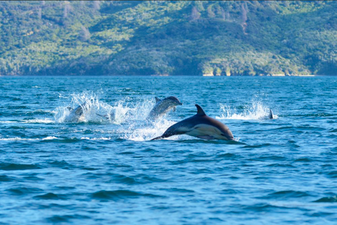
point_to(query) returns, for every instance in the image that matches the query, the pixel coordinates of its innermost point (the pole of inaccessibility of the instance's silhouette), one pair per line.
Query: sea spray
(93, 109)
(254, 111)
(136, 127)
(128, 116)
(145, 130)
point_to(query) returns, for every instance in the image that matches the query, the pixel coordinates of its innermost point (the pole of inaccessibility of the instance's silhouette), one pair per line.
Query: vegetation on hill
(168, 38)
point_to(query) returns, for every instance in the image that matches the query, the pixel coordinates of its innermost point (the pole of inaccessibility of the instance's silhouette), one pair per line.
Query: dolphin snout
(177, 103)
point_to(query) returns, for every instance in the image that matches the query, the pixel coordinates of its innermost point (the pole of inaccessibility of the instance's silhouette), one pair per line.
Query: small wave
(8, 121)
(331, 199)
(50, 196)
(5, 178)
(40, 112)
(24, 190)
(180, 190)
(13, 166)
(17, 139)
(132, 180)
(96, 139)
(261, 207)
(256, 111)
(286, 165)
(229, 156)
(119, 194)
(65, 140)
(28, 139)
(49, 138)
(333, 174)
(61, 164)
(257, 145)
(286, 195)
(303, 159)
(65, 218)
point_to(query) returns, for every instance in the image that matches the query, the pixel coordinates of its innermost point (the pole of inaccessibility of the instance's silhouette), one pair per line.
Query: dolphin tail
(157, 138)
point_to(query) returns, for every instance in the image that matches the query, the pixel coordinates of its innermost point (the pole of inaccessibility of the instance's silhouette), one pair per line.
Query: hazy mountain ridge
(168, 38)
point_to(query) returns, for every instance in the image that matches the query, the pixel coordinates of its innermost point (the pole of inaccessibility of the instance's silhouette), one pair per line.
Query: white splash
(4, 121)
(129, 116)
(137, 128)
(255, 111)
(145, 131)
(96, 139)
(28, 139)
(17, 139)
(50, 138)
(94, 110)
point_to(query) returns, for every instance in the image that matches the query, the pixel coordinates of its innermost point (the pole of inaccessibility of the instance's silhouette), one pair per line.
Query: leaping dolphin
(201, 126)
(76, 114)
(162, 107)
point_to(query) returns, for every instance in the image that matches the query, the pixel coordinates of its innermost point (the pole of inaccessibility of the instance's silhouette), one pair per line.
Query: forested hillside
(168, 38)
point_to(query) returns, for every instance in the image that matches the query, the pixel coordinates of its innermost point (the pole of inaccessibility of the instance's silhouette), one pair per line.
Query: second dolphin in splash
(162, 107)
(75, 114)
(200, 126)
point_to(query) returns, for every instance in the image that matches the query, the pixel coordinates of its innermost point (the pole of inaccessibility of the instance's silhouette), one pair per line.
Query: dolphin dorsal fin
(271, 115)
(200, 111)
(157, 99)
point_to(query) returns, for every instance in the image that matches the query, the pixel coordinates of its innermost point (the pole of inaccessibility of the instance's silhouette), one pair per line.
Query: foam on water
(28, 139)
(94, 110)
(49, 138)
(145, 131)
(132, 111)
(46, 120)
(96, 139)
(135, 126)
(130, 116)
(254, 111)
(3, 121)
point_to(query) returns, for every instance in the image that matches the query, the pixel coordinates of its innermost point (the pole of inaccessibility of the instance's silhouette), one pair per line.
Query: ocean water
(103, 169)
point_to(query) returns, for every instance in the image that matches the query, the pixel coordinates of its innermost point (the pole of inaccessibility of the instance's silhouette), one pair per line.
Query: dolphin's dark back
(187, 125)
(271, 115)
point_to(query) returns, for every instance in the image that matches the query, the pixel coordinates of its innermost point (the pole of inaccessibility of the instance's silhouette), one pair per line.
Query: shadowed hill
(168, 38)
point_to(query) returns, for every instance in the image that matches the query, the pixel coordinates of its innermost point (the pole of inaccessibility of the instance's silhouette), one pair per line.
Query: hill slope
(168, 38)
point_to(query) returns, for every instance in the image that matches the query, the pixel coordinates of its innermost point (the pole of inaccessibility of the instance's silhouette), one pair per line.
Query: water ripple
(331, 199)
(289, 194)
(120, 194)
(50, 196)
(13, 166)
(97, 171)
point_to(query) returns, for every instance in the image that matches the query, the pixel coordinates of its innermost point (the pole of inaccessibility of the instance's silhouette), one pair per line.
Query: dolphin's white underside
(203, 131)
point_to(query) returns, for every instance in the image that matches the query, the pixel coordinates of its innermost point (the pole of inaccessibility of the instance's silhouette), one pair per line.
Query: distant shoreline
(159, 76)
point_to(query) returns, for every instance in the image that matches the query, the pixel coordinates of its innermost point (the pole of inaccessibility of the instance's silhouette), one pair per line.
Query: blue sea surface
(103, 169)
